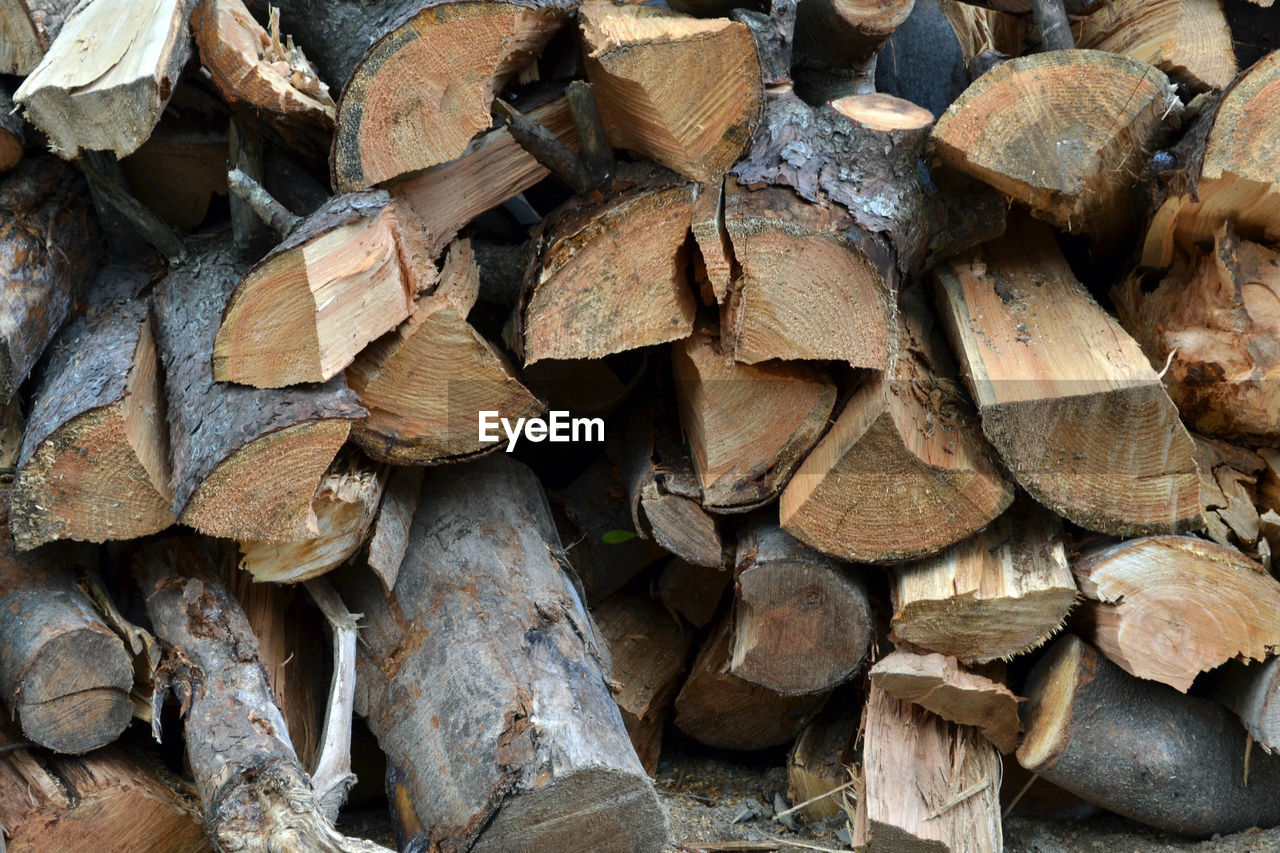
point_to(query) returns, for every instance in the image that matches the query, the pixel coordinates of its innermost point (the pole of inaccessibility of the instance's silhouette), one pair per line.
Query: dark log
(693, 591)
(837, 42)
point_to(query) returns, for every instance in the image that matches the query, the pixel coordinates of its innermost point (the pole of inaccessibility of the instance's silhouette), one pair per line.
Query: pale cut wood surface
(389, 539)
(1187, 39)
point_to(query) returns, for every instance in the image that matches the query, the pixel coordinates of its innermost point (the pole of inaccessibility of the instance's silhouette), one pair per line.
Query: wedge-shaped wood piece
(998, 593)
(1227, 170)
(820, 765)
(106, 79)
(714, 252)
(305, 311)
(640, 60)
(1074, 408)
(904, 471)
(424, 383)
(693, 591)
(937, 683)
(1213, 325)
(246, 462)
(927, 785)
(95, 457)
(483, 612)
(1143, 750)
(1168, 608)
(1187, 39)
(389, 539)
(27, 28)
(802, 621)
(593, 293)
(1229, 497)
(1063, 132)
(50, 246)
(807, 289)
(748, 425)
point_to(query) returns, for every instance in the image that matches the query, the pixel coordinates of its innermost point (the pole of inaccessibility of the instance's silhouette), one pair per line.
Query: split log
(182, 166)
(589, 295)
(51, 244)
(106, 79)
(390, 537)
(27, 28)
(1187, 39)
(714, 258)
(640, 60)
(253, 790)
(95, 457)
(904, 472)
(246, 462)
(1077, 413)
(1252, 691)
(1222, 172)
(549, 765)
(305, 311)
(12, 135)
(1212, 326)
(1168, 608)
(938, 684)
(113, 801)
(693, 591)
(344, 506)
(1228, 497)
(1142, 749)
(648, 648)
(802, 621)
(997, 594)
(1065, 133)
(927, 785)
(837, 42)
(719, 709)
(748, 426)
(821, 764)
(64, 675)
(424, 383)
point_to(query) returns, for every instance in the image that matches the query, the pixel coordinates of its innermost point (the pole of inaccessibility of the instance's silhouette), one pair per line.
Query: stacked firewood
(923, 355)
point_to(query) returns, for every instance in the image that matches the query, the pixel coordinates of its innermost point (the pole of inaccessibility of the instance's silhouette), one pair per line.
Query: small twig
(593, 143)
(1051, 20)
(811, 800)
(150, 227)
(544, 145)
(971, 791)
(280, 218)
(1018, 796)
(332, 778)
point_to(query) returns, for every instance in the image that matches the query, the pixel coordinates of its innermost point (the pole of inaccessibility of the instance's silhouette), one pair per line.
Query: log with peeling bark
(1074, 408)
(106, 79)
(305, 311)
(927, 785)
(820, 765)
(95, 456)
(27, 28)
(254, 792)
(719, 709)
(424, 383)
(1143, 750)
(50, 245)
(648, 650)
(549, 764)
(837, 42)
(640, 60)
(938, 684)
(904, 471)
(1187, 39)
(1167, 608)
(802, 621)
(748, 426)
(246, 462)
(590, 294)
(693, 591)
(64, 675)
(1001, 592)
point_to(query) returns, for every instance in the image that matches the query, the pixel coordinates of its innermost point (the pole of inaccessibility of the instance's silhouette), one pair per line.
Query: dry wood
(549, 765)
(12, 134)
(1187, 39)
(177, 172)
(837, 42)
(937, 683)
(1170, 607)
(1066, 396)
(719, 709)
(424, 383)
(1142, 749)
(106, 79)
(904, 471)
(390, 537)
(254, 793)
(748, 426)
(693, 591)
(640, 61)
(648, 648)
(1252, 691)
(27, 28)
(822, 762)
(714, 260)
(928, 786)
(50, 245)
(305, 311)
(246, 462)
(802, 621)
(1228, 497)
(1065, 133)
(1003, 591)
(592, 294)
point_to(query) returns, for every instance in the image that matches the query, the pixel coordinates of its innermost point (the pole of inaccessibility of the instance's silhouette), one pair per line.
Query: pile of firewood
(895, 380)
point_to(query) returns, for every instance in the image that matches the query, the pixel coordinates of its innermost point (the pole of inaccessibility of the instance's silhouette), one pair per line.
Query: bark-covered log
(27, 28)
(485, 642)
(837, 42)
(246, 462)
